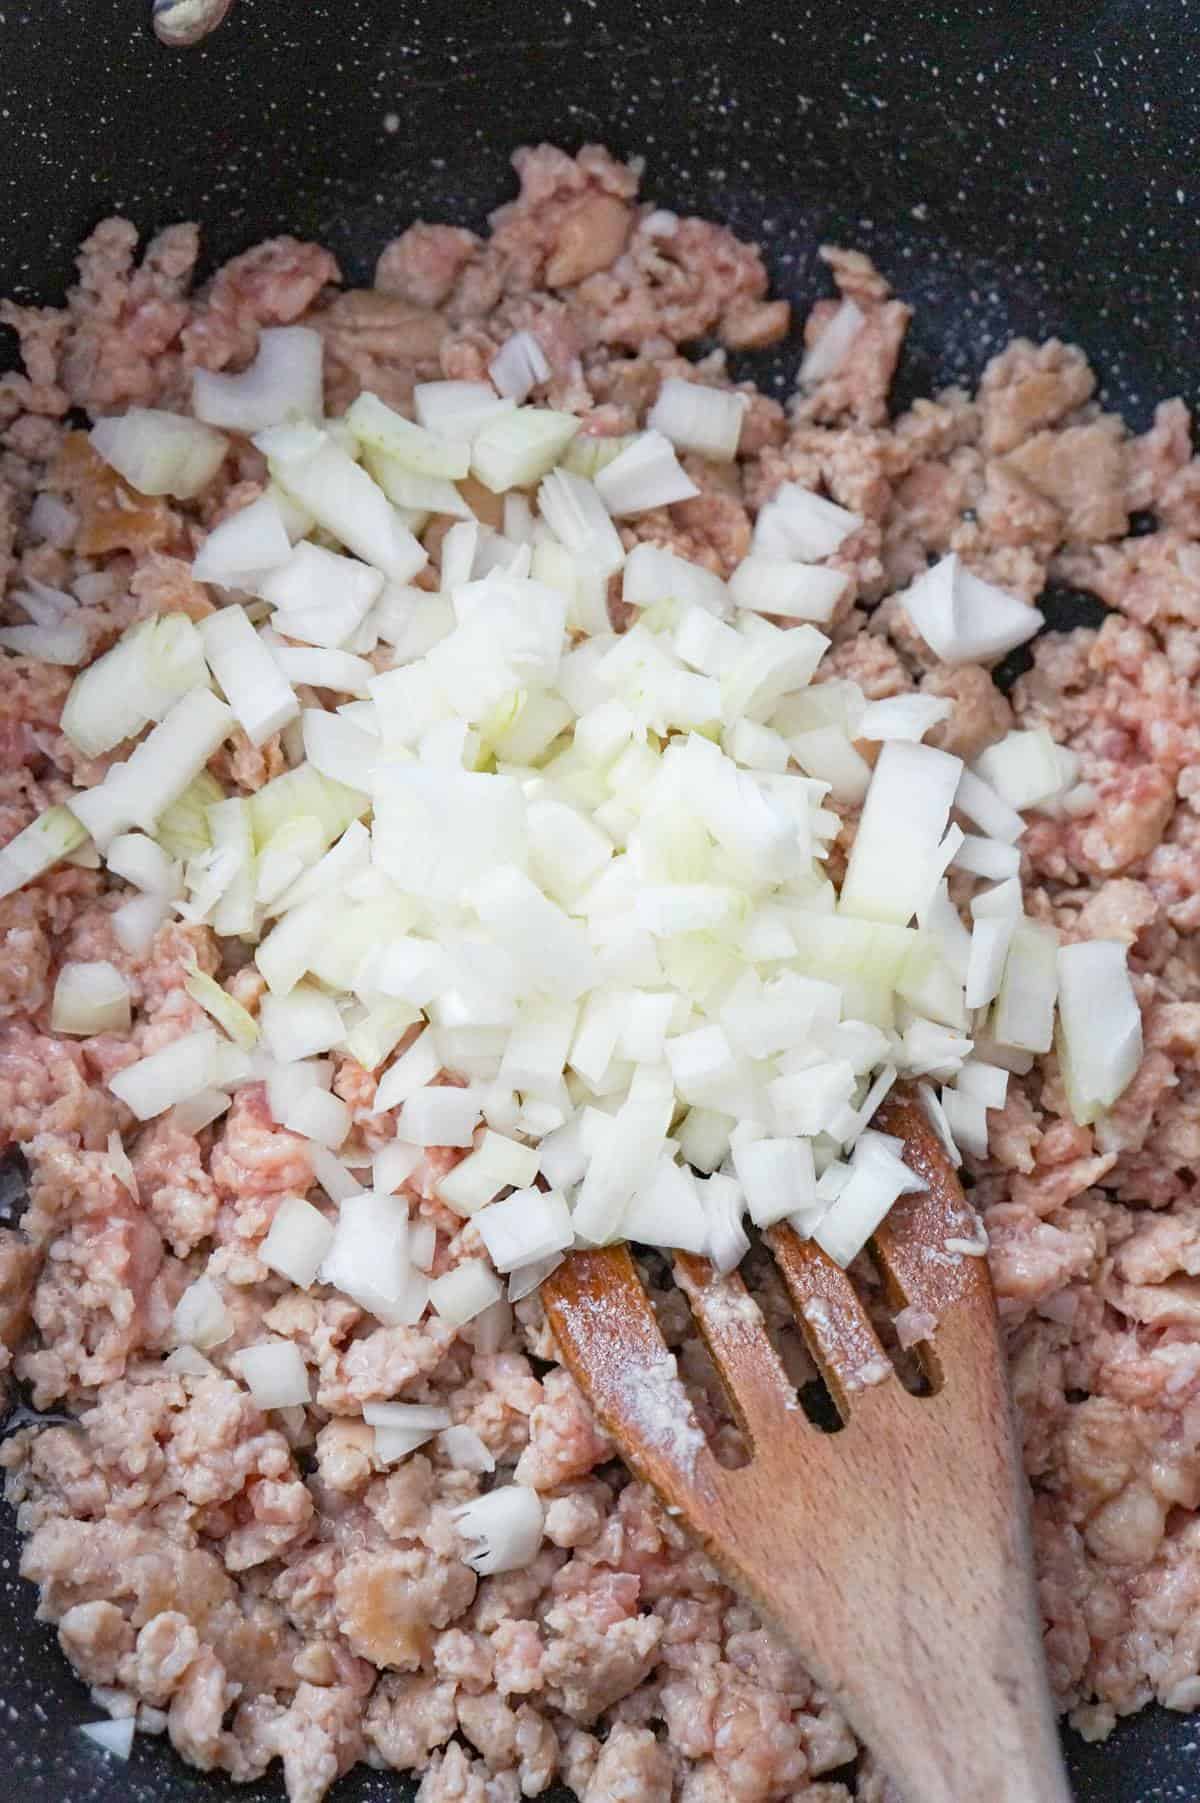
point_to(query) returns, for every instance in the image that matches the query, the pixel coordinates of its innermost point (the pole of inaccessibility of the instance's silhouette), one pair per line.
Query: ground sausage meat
(259, 1588)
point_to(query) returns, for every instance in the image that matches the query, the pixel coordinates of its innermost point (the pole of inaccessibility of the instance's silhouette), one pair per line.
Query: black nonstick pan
(1024, 168)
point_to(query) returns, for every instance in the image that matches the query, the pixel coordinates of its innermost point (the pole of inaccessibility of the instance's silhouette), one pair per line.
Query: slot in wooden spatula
(894, 1555)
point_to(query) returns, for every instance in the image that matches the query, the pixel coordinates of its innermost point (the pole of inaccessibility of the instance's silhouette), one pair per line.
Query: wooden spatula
(895, 1554)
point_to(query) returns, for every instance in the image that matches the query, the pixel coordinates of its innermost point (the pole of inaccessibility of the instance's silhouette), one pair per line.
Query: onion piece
(990, 859)
(801, 527)
(1024, 768)
(877, 1178)
(151, 666)
(323, 668)
(832, 346)
(1100, 1026)
(136, 922)
(986, 1082)
(464, 1450)
(316, 1115)
(497, 1163)
(905, 717)
(652, 573)
(160, 453)
(903, 819)
(283, 383)
(777, 1176)
(1024, 1013)
(426, 453)
(575, 512)
(519, 366)
(90, 998)
(115, 1737)
(793, 591)
(697, 418)
(439, 1117)
(964, 619)
(416, 1067)
(53, 520)
(525, 1228)
(979, 802)
(342, 498)
(646, 473)
(199, 1111)
(827, 754)
(464, 1292)
(319, 595)
(54, 835)
(151, 1084)
(339, 749)
(184, 828)
(298, 1240)
(502, 1531)
(200, 1317)
(159, 769)
(368, 1260)
(411, 492)
(139, 860)
(300, 1024)
(457, 410)
(667, 1210)
(256, 689)
(65, 644)
(275, 1374)
(516, 449)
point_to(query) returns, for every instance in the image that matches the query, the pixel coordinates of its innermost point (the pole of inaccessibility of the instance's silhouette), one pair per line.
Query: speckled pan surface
(1013, 168)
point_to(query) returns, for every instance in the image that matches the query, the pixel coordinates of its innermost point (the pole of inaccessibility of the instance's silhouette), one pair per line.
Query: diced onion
(519, 366)
(283, 383)
(151, 1084)
(777, 1176)
(115, 1737)
(964, 619)
(457, 411)
(201, 1318)
(793, 591)
(1024, 1014)
(526, 1227)
(877, 1178)
(1024, 768)
(798, 525)
(831, 348)
(696, 418)
(502, 1531)
(439, 1117)
(905, 717)
(515, 450)
(645, 474)
(38, 847)
(497, 1163)
(90, 998)
(903, 819)
(256, 689)
(1100, 1027)
(319, 595)
(575, 512)
(299, 1024)
(160, 453)
(298, 1241)
(275, 1374)
(342, 498)
(465, 1451)
(464, 1292)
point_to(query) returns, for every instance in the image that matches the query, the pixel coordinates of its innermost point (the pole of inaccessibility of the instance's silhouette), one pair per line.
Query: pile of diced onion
(583, 873)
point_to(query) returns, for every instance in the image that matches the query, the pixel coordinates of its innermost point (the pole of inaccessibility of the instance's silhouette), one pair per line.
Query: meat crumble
(258, 1587)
